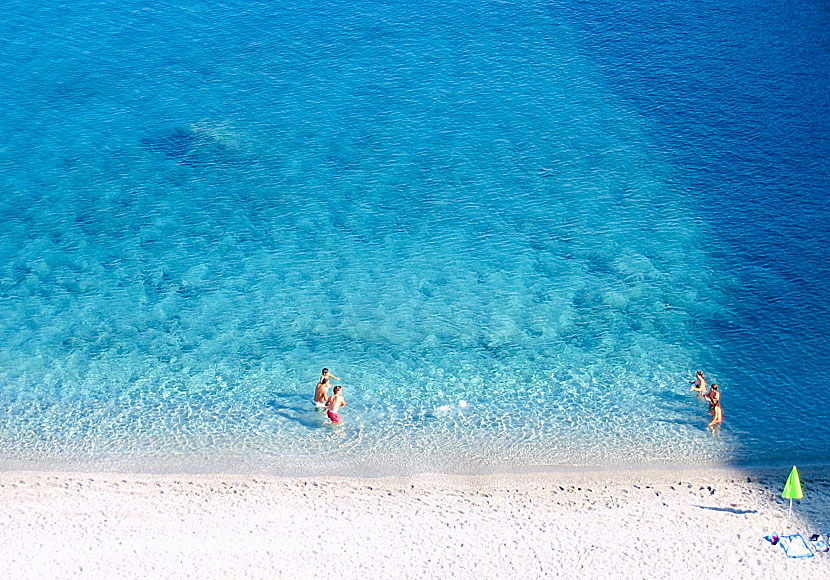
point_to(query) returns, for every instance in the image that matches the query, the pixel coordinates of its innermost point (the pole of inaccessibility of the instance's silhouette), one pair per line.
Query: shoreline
(606, 524)
(373, 472)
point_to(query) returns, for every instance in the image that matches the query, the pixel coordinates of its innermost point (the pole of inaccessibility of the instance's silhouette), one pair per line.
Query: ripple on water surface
(442, 209)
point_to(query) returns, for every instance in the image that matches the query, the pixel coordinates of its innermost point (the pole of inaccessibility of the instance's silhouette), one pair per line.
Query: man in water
(335, 402)
(321, 393)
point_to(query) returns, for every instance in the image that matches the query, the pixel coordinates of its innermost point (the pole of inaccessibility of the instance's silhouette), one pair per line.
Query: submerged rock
(194, 146)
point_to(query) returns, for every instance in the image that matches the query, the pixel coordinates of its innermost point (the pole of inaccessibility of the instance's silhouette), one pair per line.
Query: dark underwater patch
(189, 148)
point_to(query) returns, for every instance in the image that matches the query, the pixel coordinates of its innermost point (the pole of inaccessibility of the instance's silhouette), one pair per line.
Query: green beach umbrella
(792, 489)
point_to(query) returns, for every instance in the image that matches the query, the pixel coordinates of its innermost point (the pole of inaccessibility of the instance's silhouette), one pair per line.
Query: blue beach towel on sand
(795, 547)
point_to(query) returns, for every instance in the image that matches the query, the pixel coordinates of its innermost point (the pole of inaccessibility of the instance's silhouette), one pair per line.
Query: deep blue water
(514, 230)
(740, 96)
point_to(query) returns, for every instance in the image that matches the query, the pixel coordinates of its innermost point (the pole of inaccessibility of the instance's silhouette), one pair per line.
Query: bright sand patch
(643, 524)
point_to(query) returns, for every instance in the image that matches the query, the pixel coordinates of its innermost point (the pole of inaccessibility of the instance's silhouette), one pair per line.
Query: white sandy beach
(637, 524)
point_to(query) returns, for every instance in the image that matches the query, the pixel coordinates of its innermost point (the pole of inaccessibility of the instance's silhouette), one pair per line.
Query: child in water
(335, 402)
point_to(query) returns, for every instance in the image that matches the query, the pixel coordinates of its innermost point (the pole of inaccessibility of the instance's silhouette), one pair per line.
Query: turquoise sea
(513, 229)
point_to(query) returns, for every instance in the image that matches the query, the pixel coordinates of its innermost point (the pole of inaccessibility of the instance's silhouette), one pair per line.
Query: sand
(628, 524)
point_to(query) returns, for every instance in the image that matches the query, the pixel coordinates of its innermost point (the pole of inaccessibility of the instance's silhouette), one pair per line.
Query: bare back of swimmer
(321, 393)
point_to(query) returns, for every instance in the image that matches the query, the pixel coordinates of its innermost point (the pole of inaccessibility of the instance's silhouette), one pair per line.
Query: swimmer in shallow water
(717, 415)
(713, 396)
(335, 402)
(321, 393)
(699, 384)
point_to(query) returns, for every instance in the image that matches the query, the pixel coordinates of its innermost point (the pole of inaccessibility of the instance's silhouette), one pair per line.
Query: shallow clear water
(513, 230)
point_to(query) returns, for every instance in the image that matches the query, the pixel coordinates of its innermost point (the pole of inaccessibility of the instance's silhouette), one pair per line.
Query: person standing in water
(713, 396)
(699, 384)
(335, 402)
(717, 415)
(321, 393)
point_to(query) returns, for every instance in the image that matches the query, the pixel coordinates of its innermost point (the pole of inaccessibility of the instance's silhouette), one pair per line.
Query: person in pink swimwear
(334, 403)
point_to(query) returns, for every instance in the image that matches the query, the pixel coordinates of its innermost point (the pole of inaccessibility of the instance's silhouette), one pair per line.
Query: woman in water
(717, 415)
(713, 396)
(699, 384)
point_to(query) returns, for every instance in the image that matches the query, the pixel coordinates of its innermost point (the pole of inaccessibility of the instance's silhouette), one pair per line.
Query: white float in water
(462, 403)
